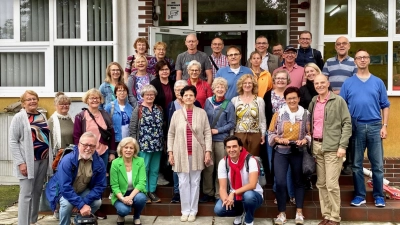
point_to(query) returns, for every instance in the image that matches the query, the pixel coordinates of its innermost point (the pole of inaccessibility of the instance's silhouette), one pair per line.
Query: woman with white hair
(203, 88)
(146, 126)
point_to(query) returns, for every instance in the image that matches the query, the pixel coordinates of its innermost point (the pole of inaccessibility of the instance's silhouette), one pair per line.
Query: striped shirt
(189, 133)
(338, 72)
(221, 61)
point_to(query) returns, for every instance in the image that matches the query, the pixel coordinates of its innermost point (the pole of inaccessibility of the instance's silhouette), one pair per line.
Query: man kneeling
(79, 181)
(239, 190)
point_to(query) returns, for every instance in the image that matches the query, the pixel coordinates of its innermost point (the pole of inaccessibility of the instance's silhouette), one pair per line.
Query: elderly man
(192, 53)
(331, 132)
(277, 50)
(306, 54)
(79, 181)
(269, 61)
(234, 71)
(296, 72)
(217, 59)
(368, 104)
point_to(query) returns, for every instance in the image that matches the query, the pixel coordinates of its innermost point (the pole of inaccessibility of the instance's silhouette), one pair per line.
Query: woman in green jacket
(128, 181)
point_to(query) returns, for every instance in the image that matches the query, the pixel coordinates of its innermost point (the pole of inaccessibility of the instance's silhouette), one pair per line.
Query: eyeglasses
(64, 105)
(88, 145)
(280, 78)
(261, 43)
(121, 91)
(191, 41)
(164, 70)
(292, 99)
(248, 83)
(290, 53)
(115, 70)
(160, 49)
(177, 90)
(149, 95)
(94, 99)
(195, 71)
(305, 39)
(234, 54)
(31, 100)
(341, 43)
(362, 57)
(217, 44)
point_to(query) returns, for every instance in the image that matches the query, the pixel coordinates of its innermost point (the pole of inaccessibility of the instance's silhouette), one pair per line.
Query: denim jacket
(117, 116)
(108, 94)
(226, 121)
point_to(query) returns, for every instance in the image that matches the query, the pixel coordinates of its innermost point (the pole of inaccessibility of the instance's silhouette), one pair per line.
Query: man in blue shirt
(368, 104)
(233, 72)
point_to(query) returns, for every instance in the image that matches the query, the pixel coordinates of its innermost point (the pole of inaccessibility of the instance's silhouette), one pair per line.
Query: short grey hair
(148, 88)
(194, 63)
(219, 81)
(180, 83)
(88, 134)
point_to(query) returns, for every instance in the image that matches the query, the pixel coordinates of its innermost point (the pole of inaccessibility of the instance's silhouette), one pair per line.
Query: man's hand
(23, 170)
(383, 132)
(229, 201)
(341, 152)
(85, 210)
(214, 131)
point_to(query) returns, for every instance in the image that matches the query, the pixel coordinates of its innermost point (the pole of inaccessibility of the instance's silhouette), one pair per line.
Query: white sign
(173, 10)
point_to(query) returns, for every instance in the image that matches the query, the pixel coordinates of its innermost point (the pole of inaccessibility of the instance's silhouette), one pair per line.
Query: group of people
(206, 115)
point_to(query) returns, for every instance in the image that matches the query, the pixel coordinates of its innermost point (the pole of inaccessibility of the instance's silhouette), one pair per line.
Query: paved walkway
(10, 217)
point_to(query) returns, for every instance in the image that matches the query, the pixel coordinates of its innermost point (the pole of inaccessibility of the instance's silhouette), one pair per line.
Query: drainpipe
(115, 31)
(321, 24)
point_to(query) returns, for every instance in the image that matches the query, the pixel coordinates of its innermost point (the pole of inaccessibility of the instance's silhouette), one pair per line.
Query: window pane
(21, 69)
(271, 12)
(68, 19)
(377, 51)
(274, 37)
(80, 68)
(398, 17)
(396, 66)
(372, 18)
(336, 17)
(162, 17)
(6, 19)
(34, 20)
(175, 44)
(99, 19)
(221, 12)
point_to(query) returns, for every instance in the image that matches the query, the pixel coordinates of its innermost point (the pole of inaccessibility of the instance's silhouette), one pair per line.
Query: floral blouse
(150, 131)
(277, 102)
(247, 117)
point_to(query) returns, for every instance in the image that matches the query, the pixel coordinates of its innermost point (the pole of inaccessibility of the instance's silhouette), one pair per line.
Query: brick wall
(391, 167)
(145, 18)
(297, 21)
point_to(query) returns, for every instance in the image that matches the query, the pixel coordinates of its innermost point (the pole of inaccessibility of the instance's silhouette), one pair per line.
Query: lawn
(8, 196)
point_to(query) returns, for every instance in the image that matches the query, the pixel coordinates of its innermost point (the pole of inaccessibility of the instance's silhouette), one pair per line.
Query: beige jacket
(177, 139)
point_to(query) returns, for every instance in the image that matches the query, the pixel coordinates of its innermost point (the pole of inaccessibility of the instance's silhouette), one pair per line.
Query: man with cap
(296, 72)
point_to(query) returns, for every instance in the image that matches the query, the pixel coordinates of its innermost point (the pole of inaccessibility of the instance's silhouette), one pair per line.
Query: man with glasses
(296, 72)
(233, 72)
(269, 61)
(338, 69)
(79, 181)
(368, 104)
(217, 59)
(184, 58)
(306, 54)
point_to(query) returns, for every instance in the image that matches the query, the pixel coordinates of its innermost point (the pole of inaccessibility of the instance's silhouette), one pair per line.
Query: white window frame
(15, 45)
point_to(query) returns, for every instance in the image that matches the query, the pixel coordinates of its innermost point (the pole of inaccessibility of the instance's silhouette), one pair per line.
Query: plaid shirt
(221, 61)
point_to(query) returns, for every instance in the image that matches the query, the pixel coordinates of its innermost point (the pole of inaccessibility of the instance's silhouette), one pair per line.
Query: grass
(8, 196)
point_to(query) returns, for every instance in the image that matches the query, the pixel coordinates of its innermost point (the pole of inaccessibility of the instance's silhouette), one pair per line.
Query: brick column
(297, 21)
(145, 18)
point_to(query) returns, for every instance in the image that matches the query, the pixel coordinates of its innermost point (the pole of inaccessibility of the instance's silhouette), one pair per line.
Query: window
(34, 18)
(185, 15)
(336, 19)
(6, 19)
(68, 19)
(274, 37)
(372, 18)
(271, 12)
(221, 12)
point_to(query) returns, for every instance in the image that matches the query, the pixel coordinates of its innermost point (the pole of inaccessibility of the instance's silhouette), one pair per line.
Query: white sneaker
(161, 180)
(299, 220)
(281, 219)
(239, 220)
(191, 218)
(184, 218)
(109, 197)
(56, 215)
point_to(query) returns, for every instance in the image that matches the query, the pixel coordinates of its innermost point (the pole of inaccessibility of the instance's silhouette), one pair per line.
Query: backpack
(60, 154)
(261, 178)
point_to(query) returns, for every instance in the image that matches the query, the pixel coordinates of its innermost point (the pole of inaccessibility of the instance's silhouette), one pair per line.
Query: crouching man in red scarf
(239, 190)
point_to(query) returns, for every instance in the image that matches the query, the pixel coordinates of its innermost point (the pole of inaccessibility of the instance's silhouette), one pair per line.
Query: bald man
(330, 132)
(192, 53)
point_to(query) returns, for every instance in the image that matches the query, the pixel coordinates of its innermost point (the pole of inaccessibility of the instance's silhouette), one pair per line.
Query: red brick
(297, 15)
(149, 21)
(144, 25)
(294, 2)
(294, 28)
(145, 8)
(149, 3)
(397, 170)
(143, 34)
(297, 24)
(145, 16)
(294, 19)
(294, 10)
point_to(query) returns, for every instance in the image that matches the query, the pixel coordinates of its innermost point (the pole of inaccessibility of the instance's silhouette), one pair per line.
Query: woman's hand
(207, 157)
(301, 142)
(262, 139)
(23, 170)
(126, 200)
(283, 141)
(111, 157)
(214, 131)
(171, 159)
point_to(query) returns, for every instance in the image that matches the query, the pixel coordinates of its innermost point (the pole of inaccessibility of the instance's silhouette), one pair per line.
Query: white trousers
(189, 189)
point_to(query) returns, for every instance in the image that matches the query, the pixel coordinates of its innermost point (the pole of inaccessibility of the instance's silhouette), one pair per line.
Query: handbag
(211, 162)
(44, 204)
(308, 159)
(105, 133)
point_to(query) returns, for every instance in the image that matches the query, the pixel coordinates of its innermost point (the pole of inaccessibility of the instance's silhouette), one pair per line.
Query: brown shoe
(323, 222)
(332, 223)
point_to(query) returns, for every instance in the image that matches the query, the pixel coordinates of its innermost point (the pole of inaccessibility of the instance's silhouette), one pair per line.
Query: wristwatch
(385, 124)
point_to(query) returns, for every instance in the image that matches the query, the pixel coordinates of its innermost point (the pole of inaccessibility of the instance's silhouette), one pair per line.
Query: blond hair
(90, 92)
(124, 142)
(239, 84)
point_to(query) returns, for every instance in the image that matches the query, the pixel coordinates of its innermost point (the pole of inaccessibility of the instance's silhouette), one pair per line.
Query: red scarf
(236, 178)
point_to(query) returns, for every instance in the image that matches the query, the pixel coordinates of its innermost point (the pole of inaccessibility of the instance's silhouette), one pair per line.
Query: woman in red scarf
(239, 190)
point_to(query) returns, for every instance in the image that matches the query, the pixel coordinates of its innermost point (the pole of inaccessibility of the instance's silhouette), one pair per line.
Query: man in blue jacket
(79, 181)
(306, 54)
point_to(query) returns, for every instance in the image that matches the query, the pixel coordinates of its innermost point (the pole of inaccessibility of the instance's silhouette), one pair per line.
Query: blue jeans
(139, 201)
(281, 167)
(251, 201)
(176, 183)
(368, 136)
(66, 207)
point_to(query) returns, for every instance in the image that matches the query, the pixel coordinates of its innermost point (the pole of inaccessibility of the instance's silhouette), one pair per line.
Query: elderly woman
(203, 88)
(146, 126)
(60, 123)
(128, 181)
(120, 111)
(307, 92)
(263, 77)
(189, 148)
(250, 114)
(32, 155)
(290, 132)
(137, 80)
(141, 47)
(222, 118)
(113, 77)
(160, 51)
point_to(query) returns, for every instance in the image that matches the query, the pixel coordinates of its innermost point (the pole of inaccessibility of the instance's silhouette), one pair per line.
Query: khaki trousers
(218, 153)
(328, 172)
(251, 142)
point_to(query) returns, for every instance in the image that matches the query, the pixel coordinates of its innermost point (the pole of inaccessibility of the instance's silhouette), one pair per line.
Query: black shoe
(100, 215)
(206, 198)
(153, 197)
(346, 171)
(176, 198)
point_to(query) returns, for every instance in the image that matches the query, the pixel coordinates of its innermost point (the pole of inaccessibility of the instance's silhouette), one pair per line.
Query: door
(174, 38)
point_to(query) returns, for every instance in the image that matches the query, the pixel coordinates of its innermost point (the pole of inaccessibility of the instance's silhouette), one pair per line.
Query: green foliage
(8, 196)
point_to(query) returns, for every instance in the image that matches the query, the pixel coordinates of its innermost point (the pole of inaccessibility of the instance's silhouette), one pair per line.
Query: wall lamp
(335, 10)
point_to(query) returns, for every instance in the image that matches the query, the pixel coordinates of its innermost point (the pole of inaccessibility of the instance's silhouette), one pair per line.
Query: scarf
(215, 102)
(57, 129)
(236, 177)
(292, 115)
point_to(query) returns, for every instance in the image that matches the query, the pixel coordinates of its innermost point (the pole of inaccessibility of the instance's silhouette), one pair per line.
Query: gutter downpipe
(321, 25)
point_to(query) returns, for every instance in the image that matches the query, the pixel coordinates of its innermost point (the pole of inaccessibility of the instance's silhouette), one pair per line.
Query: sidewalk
(10, 217)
